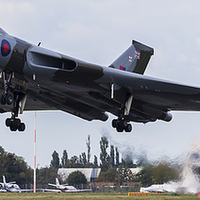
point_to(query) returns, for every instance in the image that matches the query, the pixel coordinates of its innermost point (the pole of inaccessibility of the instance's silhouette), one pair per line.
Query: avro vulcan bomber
(34, 78)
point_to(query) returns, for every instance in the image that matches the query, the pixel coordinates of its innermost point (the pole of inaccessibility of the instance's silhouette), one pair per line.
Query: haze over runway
(98, 32)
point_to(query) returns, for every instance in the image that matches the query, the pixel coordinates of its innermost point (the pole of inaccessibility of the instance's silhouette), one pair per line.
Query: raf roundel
(5, 48)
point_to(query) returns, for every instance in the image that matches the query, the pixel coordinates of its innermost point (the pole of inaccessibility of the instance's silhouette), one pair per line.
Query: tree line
(112, 169)
(14, 168)
(107, 160)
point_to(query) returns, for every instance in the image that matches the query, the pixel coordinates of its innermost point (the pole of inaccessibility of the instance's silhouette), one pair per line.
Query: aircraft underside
(14, 98)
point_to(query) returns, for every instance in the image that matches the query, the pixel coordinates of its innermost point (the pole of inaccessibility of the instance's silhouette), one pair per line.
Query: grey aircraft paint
(36, 78)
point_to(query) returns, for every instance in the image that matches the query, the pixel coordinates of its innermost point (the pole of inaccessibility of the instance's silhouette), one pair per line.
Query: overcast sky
(98, 32)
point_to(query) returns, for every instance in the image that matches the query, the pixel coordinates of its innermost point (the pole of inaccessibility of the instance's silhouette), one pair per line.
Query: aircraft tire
(124, 124)
(8, 122)
(9, 99)
(22, 127)
(128, 128)
(114, 123)
(13, 127)
(17, 123)
(3, 99)
(119, 129)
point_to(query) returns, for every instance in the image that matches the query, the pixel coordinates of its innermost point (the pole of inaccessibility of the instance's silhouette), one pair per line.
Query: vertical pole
(34, 177)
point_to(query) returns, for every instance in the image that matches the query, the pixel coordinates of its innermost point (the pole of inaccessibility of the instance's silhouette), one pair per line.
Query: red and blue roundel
(5, 48)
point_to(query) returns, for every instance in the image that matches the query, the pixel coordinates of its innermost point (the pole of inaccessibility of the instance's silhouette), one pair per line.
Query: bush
(76, 178)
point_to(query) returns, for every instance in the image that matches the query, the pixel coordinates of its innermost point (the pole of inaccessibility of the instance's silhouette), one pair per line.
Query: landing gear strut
(121, 124)
(14, 123)
(6, 98)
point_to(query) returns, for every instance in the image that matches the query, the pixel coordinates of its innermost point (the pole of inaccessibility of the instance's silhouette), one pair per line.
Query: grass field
(89, 196)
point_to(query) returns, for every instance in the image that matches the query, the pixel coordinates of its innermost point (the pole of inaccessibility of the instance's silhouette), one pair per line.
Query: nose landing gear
(14, 123)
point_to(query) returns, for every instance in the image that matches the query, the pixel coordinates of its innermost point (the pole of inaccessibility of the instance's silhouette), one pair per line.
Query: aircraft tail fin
(4, 179)
(57, 182)
(134, 59)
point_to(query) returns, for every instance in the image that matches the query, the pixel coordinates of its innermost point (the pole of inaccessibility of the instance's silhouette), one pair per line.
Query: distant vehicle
(12, 187)
(159, 188)
(66, 187)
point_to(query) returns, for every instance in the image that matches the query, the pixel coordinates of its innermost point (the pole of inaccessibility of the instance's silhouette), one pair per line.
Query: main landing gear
(121, 124)
(13, 123)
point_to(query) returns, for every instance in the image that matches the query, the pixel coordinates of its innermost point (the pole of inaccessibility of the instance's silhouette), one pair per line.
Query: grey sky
(98, 32)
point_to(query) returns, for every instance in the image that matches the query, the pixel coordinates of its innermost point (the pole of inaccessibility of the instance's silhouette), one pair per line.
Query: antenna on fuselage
(39, 44)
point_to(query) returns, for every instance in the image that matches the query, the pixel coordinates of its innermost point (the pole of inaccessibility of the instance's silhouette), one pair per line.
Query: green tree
(158, 173)
(164, 172)
(146, 175)
(81, 160)
(88, 142)
(119, 176)
(74, 162)
(95, 162)
(108, 176)
(55, 162)
(117, 157)
(103, 155)
(84, 159)
(46, 175)
(15, 168)
(112, 156)
(76, 178)
(64, 159)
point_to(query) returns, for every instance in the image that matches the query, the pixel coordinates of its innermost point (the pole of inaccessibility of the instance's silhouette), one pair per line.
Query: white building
(90, 173)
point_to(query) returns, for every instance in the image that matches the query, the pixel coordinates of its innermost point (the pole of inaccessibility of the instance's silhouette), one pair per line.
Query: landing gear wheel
(9, 99)
(3, 99)
(119, 129)
(22, 127)
(8, 122)
(114, 123)
(121, 125)
(15, 124)
(6, 99)
(128, 128)
(13, 128)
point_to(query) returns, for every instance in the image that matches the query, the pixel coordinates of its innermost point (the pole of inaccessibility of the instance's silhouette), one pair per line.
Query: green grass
(89, 196)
